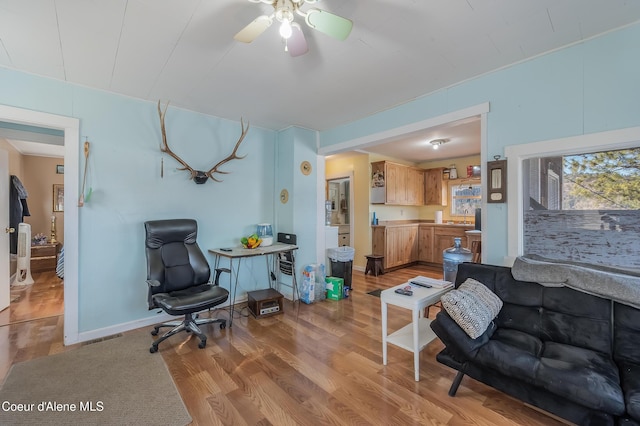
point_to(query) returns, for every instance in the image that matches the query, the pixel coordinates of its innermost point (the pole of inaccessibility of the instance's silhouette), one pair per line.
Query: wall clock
(284, 196)
(305, 167)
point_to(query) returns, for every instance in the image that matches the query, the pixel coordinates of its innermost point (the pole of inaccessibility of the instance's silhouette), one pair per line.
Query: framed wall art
(58, 198)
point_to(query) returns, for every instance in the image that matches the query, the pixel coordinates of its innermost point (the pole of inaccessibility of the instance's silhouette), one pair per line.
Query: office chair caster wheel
(202, 344)
(155, 331)
(153, 349)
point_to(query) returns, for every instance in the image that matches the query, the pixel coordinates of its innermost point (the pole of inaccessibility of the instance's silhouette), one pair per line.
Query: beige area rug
(113, 382)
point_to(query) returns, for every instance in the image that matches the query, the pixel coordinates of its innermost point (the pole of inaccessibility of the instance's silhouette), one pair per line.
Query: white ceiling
(40, 149)
(183, 50)
(463, 140)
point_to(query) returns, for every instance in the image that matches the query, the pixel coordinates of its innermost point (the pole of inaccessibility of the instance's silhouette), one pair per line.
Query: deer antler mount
(200, 176)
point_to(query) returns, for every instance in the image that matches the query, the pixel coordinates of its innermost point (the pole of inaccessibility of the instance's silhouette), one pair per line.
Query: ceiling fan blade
(297, 44)
(254, 29)
(328, 23)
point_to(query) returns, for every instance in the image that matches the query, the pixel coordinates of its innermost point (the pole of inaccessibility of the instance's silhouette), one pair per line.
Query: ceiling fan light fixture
(285, 29)
(290, 32)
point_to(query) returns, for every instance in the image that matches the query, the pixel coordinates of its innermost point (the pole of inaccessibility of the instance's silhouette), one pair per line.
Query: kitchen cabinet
(425, 243)
(344, 235)
(398, 244)
(435, 187)
(405, 243)
(402, 185)
(409, 241)
(443, 239)
(415, 186)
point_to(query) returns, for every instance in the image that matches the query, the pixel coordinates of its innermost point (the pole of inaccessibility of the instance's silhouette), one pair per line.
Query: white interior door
(4, 233)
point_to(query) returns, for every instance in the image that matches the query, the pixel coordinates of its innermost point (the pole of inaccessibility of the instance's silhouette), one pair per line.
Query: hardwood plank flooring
(42, 299)
(313, 365)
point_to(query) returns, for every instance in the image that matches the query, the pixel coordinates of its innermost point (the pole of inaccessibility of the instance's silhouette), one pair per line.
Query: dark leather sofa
(567, 352)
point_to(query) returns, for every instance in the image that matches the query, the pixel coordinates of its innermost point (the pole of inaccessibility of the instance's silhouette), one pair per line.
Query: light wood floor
(315, 364)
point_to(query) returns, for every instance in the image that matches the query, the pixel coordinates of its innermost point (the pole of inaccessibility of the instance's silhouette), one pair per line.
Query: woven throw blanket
(618, 284)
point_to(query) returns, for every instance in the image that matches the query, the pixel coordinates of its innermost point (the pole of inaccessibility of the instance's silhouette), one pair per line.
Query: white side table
(416, 335)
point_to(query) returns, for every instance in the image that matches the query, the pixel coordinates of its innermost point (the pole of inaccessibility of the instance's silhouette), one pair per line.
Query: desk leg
(416, 338)
(235, 286)
(270, 268)
(384, 332)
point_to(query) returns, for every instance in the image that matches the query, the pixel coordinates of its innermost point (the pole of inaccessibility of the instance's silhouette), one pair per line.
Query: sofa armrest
(458, 343)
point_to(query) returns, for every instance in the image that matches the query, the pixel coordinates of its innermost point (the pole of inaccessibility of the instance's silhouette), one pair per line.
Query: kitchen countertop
(421, 223)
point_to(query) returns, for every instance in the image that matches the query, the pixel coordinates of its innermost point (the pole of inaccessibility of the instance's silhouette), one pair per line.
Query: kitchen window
(465, 198)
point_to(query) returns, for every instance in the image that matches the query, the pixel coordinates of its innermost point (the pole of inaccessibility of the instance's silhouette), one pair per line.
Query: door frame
(71, 128)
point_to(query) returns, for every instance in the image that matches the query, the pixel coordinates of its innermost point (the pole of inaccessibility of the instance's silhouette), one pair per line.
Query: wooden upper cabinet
(403, 185)
(395, 181)
(415, 186)
(435, 187)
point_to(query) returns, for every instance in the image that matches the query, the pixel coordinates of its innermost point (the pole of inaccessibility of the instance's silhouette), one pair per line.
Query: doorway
(35, 167)
(70, 128)
(339, 193)
(361, 146)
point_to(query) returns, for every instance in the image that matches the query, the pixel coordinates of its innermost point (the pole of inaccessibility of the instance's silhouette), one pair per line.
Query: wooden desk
(240, 253)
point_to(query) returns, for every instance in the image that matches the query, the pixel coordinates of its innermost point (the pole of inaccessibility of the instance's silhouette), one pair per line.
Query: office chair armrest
(218, 272)
(153, 283)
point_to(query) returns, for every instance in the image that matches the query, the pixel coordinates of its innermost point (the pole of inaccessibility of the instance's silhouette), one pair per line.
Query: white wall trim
(127, 326)
(71, 128)
(593, 142)
(159, 318)
(484, 154)
(320, 198)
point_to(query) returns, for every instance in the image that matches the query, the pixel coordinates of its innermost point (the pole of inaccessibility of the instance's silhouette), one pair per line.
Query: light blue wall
(124, 172)
(586, 88)
(299, 214)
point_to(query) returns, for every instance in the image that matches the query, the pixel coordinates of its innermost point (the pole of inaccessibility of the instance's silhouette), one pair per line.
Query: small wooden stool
(374, 264)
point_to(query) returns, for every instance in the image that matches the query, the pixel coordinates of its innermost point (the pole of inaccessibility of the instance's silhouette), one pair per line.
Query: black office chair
(178, 278)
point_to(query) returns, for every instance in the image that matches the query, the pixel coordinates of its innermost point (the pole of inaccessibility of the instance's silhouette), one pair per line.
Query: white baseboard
(121, 328)
(143, 322)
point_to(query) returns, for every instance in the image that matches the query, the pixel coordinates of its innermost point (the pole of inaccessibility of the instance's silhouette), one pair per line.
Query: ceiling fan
(290, 31)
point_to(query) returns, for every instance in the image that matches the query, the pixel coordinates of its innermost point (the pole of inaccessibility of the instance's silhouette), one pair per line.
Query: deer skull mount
(199, 176)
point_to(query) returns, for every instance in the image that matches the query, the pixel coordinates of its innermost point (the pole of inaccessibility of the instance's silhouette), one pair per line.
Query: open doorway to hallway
(70, 128)
(36, 169)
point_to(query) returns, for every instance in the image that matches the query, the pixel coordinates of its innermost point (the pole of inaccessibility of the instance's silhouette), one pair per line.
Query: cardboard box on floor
(335, 288)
